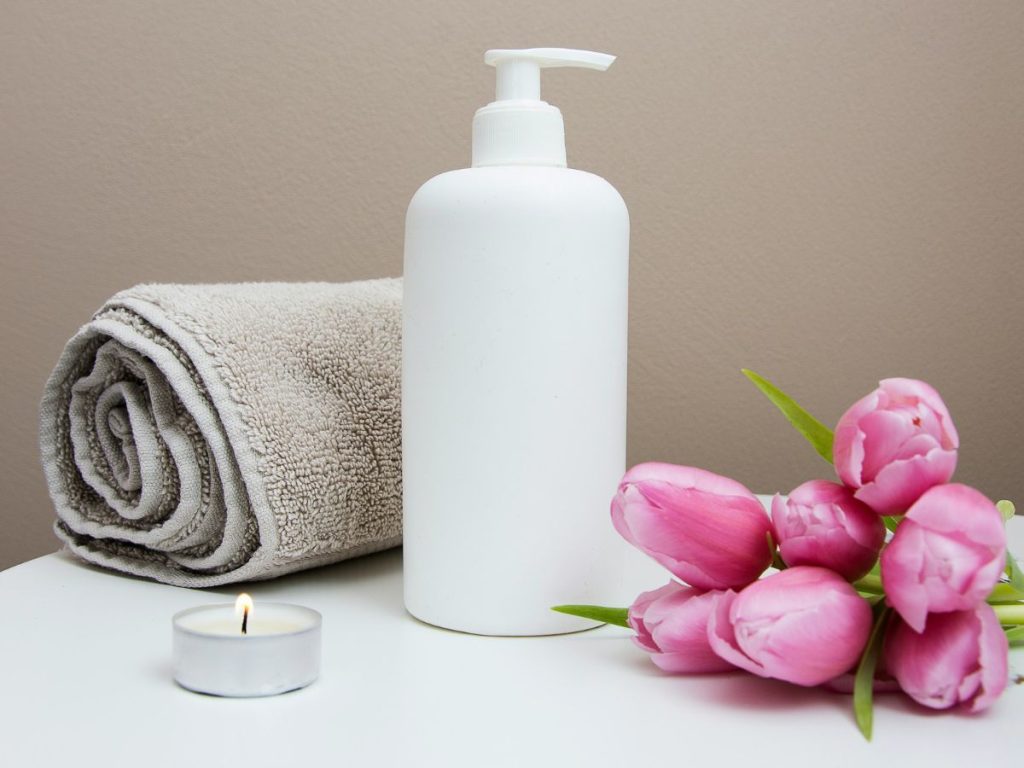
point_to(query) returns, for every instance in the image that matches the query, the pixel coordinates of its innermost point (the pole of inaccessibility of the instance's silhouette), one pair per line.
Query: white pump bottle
(514, 371)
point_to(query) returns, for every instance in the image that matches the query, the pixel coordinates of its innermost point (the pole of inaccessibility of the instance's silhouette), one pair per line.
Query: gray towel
(205, 434)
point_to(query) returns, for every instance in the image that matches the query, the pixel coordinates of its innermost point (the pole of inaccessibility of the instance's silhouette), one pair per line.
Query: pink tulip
(946, 555)
(708, 530)
(895, 444)
(804, 625)
(821, 523)
(960, 658)
(671, 623)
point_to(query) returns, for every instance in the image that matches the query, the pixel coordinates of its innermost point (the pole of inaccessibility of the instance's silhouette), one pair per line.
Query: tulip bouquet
(891, 578)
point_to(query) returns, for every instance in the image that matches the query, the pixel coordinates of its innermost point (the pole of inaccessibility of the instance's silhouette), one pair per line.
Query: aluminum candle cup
(279, 651)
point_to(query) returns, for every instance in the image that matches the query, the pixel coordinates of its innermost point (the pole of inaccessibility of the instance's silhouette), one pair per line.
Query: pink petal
(654, 605)
(642, 639)
(993, 659)
(899, 484)
(671, 623)
(722, 637)
(683, 635)
(957, 507)
(804, 625)
(919, 445)
(885, 432)
(818, 492)
(938, 666)
(711, 542)
(822, 524)
(639, 611)
(686, 478)
(913, 391)
(902, 562)
(947, 555)
(848, 442)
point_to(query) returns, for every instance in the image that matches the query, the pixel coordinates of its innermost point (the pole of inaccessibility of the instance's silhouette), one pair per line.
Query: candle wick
(245, 620)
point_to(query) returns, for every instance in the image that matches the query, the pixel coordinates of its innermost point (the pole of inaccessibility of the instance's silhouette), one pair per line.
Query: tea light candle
(242, 650)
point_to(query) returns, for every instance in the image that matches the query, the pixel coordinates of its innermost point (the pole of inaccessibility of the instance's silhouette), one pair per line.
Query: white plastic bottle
(514, 371)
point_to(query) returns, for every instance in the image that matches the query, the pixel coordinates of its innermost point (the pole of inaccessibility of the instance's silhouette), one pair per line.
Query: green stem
(1009, 614)
(869, 583)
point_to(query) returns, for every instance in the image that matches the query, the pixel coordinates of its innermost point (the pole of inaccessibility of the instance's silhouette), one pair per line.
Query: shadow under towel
(205, 434)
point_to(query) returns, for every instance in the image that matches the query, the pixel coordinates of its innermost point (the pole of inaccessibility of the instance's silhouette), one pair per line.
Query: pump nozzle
(519, 71)
(517, 128)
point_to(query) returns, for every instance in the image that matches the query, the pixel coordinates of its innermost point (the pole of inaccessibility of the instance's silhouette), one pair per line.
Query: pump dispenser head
(517, 128)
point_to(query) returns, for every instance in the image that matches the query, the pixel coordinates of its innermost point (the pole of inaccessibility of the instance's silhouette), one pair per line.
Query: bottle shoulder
(494, 185)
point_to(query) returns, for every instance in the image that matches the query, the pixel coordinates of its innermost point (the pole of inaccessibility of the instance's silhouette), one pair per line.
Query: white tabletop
(86, 682)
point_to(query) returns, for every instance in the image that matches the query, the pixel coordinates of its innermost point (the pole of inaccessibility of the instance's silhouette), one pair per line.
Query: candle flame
(243, 605)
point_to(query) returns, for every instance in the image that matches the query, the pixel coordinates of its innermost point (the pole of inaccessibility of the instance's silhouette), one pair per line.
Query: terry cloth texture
(205, 434)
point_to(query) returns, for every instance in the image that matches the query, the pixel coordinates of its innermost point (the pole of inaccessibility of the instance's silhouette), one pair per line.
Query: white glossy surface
(86, 681)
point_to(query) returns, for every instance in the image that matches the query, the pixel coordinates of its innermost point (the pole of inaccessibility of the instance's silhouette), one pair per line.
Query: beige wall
(827, 192)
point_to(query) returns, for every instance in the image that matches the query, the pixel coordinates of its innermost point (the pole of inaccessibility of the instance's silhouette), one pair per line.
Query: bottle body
(513, 395)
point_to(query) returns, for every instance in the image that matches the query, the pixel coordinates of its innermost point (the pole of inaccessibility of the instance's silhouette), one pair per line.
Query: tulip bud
(959, 658)
(894, 444)
(708, 530)
(804, 625)
(671, 623)
(821, 523)
(946, 555)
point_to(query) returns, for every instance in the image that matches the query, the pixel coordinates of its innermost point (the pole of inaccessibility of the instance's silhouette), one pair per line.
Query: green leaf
(816, 433)
(864, 682)
(1004, 594)
(1006, 509)
(1013, 570)
(1015, 636)
(616, 616)
(891, 522)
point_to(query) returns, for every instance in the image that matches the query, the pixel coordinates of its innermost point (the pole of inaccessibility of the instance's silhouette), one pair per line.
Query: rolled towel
(205, 434)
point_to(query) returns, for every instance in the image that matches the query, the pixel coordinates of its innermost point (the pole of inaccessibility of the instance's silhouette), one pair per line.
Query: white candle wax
(258, 626)
(279, 652)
